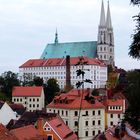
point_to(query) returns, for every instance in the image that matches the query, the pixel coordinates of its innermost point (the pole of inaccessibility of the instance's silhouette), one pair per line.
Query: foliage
(81, 72)
(95, 92)
(37, 81)
(7, 82)
(51, 89)
(132, 93)
(134, 48)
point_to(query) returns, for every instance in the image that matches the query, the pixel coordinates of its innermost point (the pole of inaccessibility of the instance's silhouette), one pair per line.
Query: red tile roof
(115, 102)
(72, 100)
(5, 134)
(63, 131)
(59, 62)
(26, 132)
(33, 91)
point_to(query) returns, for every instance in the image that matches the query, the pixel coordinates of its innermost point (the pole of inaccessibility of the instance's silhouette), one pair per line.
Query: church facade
(102, 49)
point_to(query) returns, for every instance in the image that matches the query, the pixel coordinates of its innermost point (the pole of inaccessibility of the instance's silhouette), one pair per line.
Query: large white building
(95, 70)
(32, 98)
(92, 113)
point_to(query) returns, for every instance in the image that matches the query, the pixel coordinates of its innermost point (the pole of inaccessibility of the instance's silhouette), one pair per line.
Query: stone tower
(105, 42)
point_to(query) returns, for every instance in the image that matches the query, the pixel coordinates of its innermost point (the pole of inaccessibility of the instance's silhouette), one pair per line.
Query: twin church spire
(105, 22)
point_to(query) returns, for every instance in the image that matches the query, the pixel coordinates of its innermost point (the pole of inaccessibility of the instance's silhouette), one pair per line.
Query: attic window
(47, 129)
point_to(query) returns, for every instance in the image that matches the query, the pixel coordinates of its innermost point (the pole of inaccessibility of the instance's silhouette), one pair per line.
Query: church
(102, 49)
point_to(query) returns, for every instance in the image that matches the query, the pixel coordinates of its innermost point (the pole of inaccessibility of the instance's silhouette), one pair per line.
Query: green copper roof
(74, 49)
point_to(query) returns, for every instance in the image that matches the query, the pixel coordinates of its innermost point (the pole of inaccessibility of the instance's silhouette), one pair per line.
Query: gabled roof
(27, 132)
(6, 114)
(59, 62)
(20, 91)
(72, 100)
(30, 118)
(61, 129)
(73, 49)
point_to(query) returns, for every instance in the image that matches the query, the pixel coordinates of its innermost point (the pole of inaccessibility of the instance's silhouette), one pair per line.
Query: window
(58, 111)
(99, 112)
(33, 99)
(111, 115)
(86, 113)
(30, 105)
(93, 133)
(111, 123)
(93, 122)
(62, 112)
(99, 122)
(30, 100)
(33, 105)
(37, 105)
(86, 123)
(37, 100)
(21, 100)
(86, 133)
(17, 100)
(93, 113)
(66, 122)
(14, 99)
(119, 116)
(99, 131)
(66, 113)
(75, 113)
(76, 123)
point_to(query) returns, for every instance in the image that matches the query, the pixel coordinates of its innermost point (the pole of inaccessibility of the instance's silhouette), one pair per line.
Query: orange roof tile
(21, 91)
(75, 97)
(5, 134)
(59, 62)
(61, 129)
(26, 132)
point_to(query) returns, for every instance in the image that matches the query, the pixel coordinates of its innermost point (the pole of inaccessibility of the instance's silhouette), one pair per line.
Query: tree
(51, 89)
(132, 93)
(37, 81)
(134, 48)
(7, 82)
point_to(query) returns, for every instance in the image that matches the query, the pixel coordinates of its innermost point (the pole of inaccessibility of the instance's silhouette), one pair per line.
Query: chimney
(68, 80)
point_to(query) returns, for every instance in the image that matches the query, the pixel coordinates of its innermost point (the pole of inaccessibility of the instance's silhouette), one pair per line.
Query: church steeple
(56, 37)
(102, 15)
(108, 18)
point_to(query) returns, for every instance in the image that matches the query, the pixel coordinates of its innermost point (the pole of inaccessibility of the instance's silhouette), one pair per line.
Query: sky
(27, 26)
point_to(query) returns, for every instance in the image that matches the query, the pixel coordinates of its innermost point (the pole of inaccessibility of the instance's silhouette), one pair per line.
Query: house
(77, 103)
(6, 114)
(96, 70)
(32, 98)
(115, 109)
(49, 125)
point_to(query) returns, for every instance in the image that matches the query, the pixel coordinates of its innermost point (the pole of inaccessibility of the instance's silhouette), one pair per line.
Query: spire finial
(108, 18)
(102, 15)
(56, 37)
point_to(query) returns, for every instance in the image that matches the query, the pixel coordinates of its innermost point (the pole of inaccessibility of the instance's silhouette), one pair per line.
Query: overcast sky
(27, 26)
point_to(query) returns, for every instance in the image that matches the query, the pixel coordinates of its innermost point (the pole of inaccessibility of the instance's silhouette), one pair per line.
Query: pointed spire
(56, 37)
(102, 16)
(108, 18)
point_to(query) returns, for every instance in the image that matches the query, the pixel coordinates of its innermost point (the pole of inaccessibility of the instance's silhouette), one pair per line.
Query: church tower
(105, 43)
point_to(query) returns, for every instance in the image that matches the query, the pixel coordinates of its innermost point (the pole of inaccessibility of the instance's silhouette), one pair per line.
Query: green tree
(7, 82)
(95, 92)
(132, 93)
(51, 89)
(37, 81)
(134, 48)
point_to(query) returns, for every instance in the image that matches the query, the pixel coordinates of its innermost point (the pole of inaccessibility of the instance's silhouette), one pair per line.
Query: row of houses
(86, 115)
